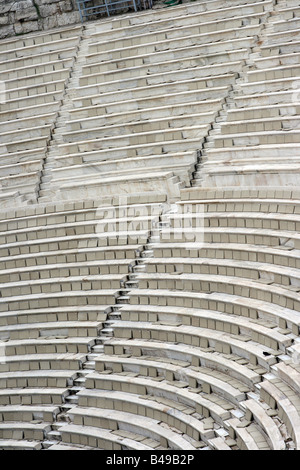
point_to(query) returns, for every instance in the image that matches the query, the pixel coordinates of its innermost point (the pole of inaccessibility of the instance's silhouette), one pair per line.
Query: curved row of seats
(61, 272)
(258, 139)
(143, 106)
(34, 71)
(217, 354)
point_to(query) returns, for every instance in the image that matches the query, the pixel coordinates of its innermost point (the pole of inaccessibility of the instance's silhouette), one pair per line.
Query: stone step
(152, 41)
(21, 50)
(42, 58)
(122, 30)
(136, 56)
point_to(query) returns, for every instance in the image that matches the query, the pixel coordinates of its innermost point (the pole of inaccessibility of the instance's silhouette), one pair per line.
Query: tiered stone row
(258, 140)
(206, 343)
(62, 268)
(152, 86)
(34, 71)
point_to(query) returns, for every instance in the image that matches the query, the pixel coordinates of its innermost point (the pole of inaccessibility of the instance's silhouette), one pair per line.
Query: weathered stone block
(48, 10)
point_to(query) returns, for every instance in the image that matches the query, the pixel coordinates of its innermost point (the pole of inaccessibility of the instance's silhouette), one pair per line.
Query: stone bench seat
(173, 416)
(51, 103)
(286, 47)
(259, 415)
(207, 66)
(110, 102)
(170, 353)
(115, 419)
(57, 284)
(101, 220)
(28, 122)
(24, 431)
(257, 331)
(152, 54)
(21, 156)
(181, 170)
(257, 138)
(59, 299)
(214, 381)
(95, 114)
(203, 337)
(289, 373)
(41, 330)
(26, 144)
(10, 199)
(286, 224)
(104, 221)
(219, 444)
(266, 111)
(33, 396)
(37, 379)
(182, 164)
(28, 413)
(30, 82)
(112, 30)
(274, 62)
(39, 38)
(49, 345)
(49, 245)
(130, 130)
(19, 135)
(83, 254)
(209, 31)
(205, 110)
(257, 125)
(200, 119)
(99, 439)
(255, 174)
(65, 447)
(32, 362)
(27, 72)
(161, 182)
(280, 396)
(55, 45)
(145, 178)
(129, 155)
(80, 211)
(12, 444)
(37, 59)
(274, 73)
(151, 16)
(289, 12)
(248, 438)
(32, 94)
(263, 153)
(287, 24)
(249, 253)
(274, 294)
(23, 183)
(139, 138)
(107, 267)
(256, 309)
(231, 235)
(22, 168)
(268, 97)
(272, 85)
(190, 37)
(148, 386)
(290, 31)
(83, 313)
(239, 201)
